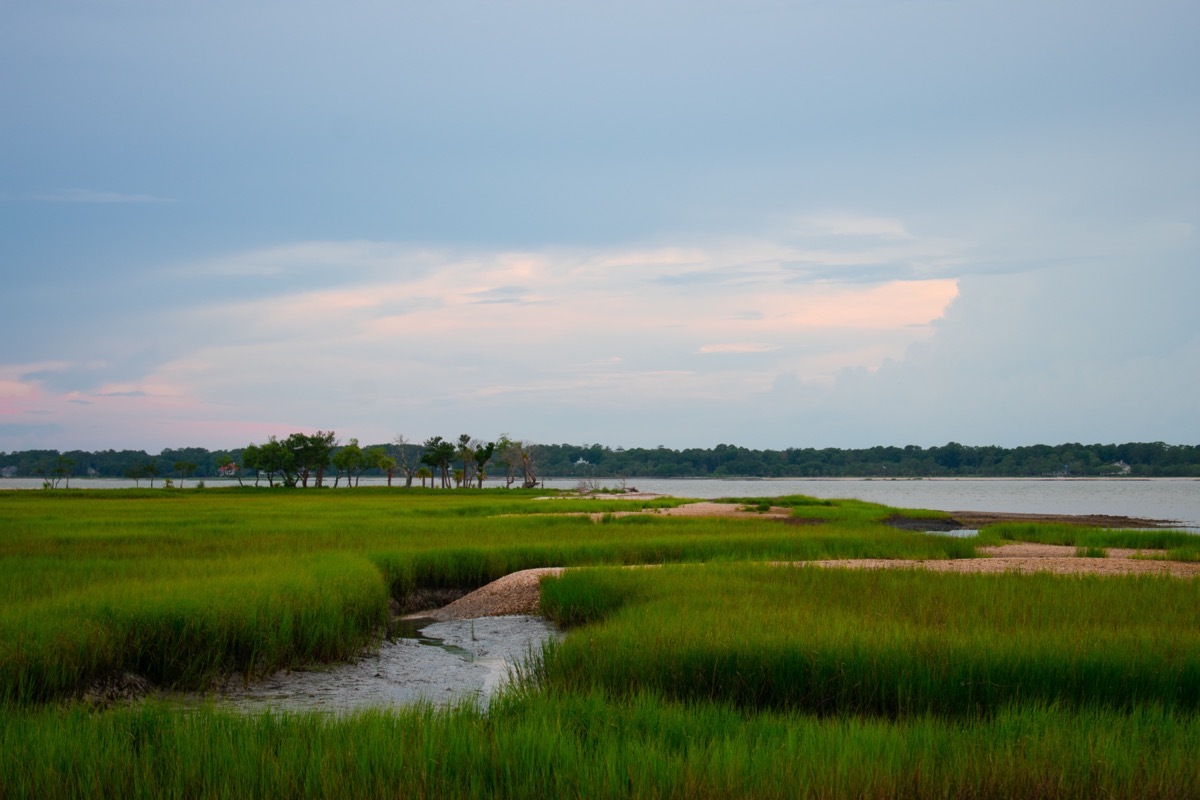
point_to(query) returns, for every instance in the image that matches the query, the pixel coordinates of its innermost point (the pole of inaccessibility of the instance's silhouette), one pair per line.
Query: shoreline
(519, 592)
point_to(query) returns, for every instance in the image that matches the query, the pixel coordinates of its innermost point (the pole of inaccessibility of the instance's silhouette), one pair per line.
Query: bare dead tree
(528, 466)
(407, 458)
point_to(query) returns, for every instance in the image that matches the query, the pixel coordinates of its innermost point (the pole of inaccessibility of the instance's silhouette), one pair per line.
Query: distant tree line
(951, 460)
(311, 459)
(298, 460)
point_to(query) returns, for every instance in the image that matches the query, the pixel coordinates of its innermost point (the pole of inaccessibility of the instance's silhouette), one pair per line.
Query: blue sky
(763, 223)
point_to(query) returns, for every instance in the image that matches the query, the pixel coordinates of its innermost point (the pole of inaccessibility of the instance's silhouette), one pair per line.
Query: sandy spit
(518, 593)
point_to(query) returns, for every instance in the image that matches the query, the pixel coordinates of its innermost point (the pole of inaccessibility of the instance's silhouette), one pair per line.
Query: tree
(346, 460)
(509, 454)
(430, 455)
(378, 458)
(296, 470)
(275, 459)
(466, 451)
(483, 454)
(438, 455)
(250, 460)
(517, 456)
(528, 466)
(135, 473)
(184, 468)
(423, 473)
(310, 456)
(57, 471)
(409, 457)
(320, 448)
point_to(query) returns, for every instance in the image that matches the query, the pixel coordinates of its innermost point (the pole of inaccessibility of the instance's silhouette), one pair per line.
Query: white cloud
(448, 336)
(1072, 353)
(591, 342)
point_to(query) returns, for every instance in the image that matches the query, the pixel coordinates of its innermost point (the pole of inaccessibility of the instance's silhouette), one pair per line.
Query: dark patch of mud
(974, 520)
(925, 524)
(117, 689)
(426, 600)
(981, 519)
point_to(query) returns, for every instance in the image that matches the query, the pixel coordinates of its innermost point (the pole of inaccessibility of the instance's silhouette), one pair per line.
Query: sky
(770, 224)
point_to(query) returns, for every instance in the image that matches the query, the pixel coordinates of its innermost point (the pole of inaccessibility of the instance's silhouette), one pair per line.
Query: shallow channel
(431, 662)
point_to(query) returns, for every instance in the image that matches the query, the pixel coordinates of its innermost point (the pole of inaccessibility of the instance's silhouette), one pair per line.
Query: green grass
(1187, 552)
(188, 586)
(887, 642)
(708, 677)
(1080, 536)
(591, 745)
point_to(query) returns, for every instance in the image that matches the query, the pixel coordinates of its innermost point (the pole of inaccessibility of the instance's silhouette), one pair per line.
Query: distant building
(1122, 468)
(227, 471)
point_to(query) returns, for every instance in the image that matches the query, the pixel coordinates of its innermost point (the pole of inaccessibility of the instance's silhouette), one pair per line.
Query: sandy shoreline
(518, 593)
(959, 519)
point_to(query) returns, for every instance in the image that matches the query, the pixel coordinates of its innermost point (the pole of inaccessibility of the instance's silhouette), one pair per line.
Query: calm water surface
(1160, 498)
(1176, 499)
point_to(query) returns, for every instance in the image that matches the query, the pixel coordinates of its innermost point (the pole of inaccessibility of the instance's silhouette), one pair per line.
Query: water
(437, 663)
(1176, 499)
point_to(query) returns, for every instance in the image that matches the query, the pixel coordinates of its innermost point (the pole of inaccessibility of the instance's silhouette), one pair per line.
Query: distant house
(227, 471)
(1122, 468)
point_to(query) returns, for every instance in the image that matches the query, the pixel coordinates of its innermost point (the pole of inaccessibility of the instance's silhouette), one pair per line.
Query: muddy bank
(1028, 558)
(979, 519)
(974, 520)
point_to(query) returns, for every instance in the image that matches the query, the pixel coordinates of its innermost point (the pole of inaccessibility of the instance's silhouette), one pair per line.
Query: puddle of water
(414, 628)
(964, 533)
(434, 662)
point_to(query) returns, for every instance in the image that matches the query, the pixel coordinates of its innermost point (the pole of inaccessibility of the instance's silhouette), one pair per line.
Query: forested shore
(596, 461)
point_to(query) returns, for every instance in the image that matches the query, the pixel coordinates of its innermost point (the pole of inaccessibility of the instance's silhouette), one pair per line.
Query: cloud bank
(612, 345)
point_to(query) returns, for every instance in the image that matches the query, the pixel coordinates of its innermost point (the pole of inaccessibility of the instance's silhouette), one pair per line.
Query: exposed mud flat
(450, 662)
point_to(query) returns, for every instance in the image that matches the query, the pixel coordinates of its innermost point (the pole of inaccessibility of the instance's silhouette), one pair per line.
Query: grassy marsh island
(738, 668)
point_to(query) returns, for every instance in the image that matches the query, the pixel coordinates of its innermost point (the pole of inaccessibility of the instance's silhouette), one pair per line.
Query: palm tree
(423, 473)
(466, 451)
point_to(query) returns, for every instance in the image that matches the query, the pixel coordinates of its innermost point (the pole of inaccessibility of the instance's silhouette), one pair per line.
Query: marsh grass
(593, 745)
(712, 679)
(186, 626)
(1187, 552)
(884, 642)
(1081, 536)
(185, 587)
